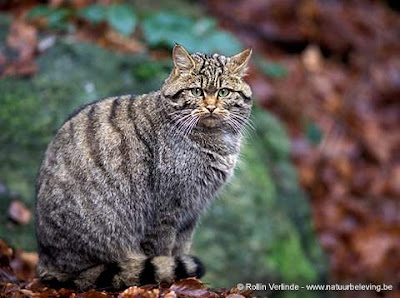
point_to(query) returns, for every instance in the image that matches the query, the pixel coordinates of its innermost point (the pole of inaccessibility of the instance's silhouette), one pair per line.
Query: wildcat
(125, 179)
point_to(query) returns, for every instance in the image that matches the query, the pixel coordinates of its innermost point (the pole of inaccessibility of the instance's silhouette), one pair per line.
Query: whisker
(181, 112)
(246, 121)
(238, 123)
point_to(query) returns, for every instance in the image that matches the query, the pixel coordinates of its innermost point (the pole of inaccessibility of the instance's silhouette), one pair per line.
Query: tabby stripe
(76, 174)
(132, 116)
(148, 118)
(123, 148)
(147, 276)
(180, 269)
(87, 239)
(246, 98)
(221, 65)
(93, 146)
(144, 140)
(55, 284)
(71, 132)
(202, 64)
(200, 270)
(220, 71)
(92, 142)
(81, 108)
(105, 279)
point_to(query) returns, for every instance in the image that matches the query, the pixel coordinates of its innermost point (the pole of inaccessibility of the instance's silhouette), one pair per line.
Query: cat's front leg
(183, 239)
(159, 239)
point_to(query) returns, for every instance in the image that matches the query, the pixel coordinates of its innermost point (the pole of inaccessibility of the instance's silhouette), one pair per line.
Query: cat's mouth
(210, 120)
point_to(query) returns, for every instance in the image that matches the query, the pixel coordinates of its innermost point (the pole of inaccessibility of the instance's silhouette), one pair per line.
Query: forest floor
(17, 279)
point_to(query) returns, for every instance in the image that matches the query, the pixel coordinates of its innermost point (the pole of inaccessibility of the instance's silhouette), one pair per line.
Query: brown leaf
(30, 259)
(24, 264)
(7, 275)
(9, 288)
(191, 287)
(170, 294)
(103, 36)
(235, 296)
(19, 213)
(245, 293)
(312, 58)
(135, 291)
(114, 40)
(56, 3)
(29, 293)
(23, 38)
(3, 60)
(80, 3)
(131, 292)
(5, 252)
(94, 294)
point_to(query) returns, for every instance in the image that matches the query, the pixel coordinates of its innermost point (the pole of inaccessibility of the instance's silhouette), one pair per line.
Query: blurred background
(316, 197)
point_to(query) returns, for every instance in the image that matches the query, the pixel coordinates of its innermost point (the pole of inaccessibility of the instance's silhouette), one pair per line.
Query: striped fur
(125, 179)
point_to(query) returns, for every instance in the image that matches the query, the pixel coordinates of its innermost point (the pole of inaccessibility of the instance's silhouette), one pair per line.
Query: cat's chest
(186, 162)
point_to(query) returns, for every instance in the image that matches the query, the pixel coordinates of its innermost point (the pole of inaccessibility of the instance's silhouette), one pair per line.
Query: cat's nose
(211, 108)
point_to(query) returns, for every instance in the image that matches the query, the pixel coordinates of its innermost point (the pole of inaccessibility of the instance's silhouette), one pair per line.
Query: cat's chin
(210, 122)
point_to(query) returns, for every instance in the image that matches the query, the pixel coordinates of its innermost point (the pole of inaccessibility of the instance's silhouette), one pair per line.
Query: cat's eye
(223, 92)
(197, 92)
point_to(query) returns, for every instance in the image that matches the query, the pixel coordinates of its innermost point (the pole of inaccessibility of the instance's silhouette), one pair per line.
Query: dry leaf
(19, 213)
(312, 58)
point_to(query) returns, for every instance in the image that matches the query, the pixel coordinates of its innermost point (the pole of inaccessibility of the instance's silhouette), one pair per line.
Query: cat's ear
(238, 64)
(183, 62)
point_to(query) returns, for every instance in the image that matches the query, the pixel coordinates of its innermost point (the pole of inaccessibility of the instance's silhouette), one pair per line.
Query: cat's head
(208, 91)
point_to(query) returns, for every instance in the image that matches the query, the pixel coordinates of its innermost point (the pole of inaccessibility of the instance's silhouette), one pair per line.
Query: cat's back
(97, 145)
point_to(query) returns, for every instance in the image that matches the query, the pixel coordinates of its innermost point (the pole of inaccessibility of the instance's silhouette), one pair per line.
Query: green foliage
(148, 70)
(164, 29)
(95, 13)
(122, 18)
(273, 70)
(119, 16)
(39, 11)
(313, 132)
(57, 17)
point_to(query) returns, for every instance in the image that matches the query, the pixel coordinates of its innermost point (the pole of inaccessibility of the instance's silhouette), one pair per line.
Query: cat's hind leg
(134, 270)
(97, 276)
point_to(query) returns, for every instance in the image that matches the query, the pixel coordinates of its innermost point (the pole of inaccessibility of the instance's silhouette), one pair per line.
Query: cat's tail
(135, 270)
(162, 268)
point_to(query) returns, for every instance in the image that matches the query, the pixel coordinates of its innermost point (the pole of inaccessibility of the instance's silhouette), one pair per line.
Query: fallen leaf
(170, 294)
(312, 58)
(22, 39)
(19, 213)
(235, 296)
(191, 287)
